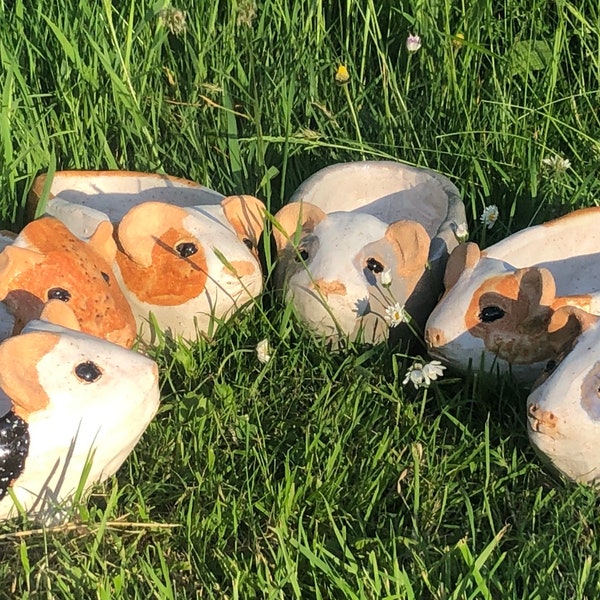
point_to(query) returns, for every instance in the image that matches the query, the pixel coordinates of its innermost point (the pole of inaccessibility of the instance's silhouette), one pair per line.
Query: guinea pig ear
(411, 244)
(20, 381)
(566, 325)
(102, 242)
(60, 313)
(14, 260)
(141, 228)
(295, 217)
(464, 256)
(246, 215)
(536, 286)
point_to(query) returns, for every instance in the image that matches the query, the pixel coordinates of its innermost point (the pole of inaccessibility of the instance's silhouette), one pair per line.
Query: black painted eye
(374, 265)
(105, 276)
(302, 255)
(186, 249)
(88, 371)
(58, 293)
(249, 243)
(491, 313)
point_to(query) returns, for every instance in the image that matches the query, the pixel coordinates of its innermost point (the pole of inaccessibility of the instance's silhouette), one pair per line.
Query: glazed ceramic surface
(47, 262)
(498, 303)
(185, 253)
(349, 224)
(72, 404)
(564, 410)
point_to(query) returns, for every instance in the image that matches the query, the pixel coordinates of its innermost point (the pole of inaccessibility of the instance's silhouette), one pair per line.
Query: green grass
(318, 474)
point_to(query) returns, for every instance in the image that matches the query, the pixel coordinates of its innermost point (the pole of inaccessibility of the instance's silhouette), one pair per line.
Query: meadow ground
(317, 474)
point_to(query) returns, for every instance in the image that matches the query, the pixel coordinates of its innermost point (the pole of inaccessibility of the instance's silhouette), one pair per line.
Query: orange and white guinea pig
(73, 406)
(498, 306)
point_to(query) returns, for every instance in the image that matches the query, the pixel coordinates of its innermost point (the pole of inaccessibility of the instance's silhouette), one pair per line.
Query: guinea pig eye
(58, 293)
(374, 265)
(248, 243)
(88, 372)
(105, 276)
(302, 255)
(186, 249)
(550, 366)
(490, 314)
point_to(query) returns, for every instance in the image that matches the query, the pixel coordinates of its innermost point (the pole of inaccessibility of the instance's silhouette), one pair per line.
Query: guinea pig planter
(564, 410)
(73, 407)
(362, 245)
(498, 304)
(47, 262)
(185, 253)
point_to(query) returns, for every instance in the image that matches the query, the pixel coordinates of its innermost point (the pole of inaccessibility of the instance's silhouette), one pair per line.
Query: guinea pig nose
(434, 337)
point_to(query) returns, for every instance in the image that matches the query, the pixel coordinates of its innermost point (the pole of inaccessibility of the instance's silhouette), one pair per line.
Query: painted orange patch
(330, 287)
(242, 268)
(170, 280)
(66, 263)
(19, 376)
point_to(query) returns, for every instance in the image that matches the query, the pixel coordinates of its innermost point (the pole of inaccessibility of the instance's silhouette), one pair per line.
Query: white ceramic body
(85, 425)
(564, 411)
(568, 247)
(361, 200)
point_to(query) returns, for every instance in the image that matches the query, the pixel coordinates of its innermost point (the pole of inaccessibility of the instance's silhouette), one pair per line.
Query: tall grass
(317, 474)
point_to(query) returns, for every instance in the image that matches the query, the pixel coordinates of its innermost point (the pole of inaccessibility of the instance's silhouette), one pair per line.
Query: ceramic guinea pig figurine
(185, 253)
(46, 261)
(351, 224)
(564, 410)
(499, 302)
(70, 401)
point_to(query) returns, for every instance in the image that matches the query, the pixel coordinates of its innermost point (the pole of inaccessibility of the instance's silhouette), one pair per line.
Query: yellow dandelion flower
(342, 75)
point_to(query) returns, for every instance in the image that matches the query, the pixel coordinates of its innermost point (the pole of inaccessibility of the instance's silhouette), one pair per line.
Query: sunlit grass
(317, 474)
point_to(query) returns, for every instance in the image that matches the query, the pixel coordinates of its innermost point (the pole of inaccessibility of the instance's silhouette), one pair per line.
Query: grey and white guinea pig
(70, 401)
(563, 411)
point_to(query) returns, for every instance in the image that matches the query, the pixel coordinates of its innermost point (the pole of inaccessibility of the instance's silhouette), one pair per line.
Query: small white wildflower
(556, 164)
(395, 314)
(173, 19)
(264, 351)
(421, 375)
(434, 369)
(413, 43)
(461, 232)
(362, 307)
(416, 376)
(489, 216)
(386, 278)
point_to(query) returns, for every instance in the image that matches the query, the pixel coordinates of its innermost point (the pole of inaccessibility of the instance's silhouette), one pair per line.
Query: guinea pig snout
(542, 421)
(434, 337)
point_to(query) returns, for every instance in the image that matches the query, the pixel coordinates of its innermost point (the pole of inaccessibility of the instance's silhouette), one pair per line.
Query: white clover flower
(264, 352)
(421, 375)
(173, 19)
(556, 164)
(386, 278)
(489, 216)
(461, 232)
(413, 43)
(395, 314)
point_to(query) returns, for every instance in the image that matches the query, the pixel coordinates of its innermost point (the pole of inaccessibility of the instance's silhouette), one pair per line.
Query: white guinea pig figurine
(71, 402)
(185, 253)
(564, 410)
(498, 302)
(357, 239)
